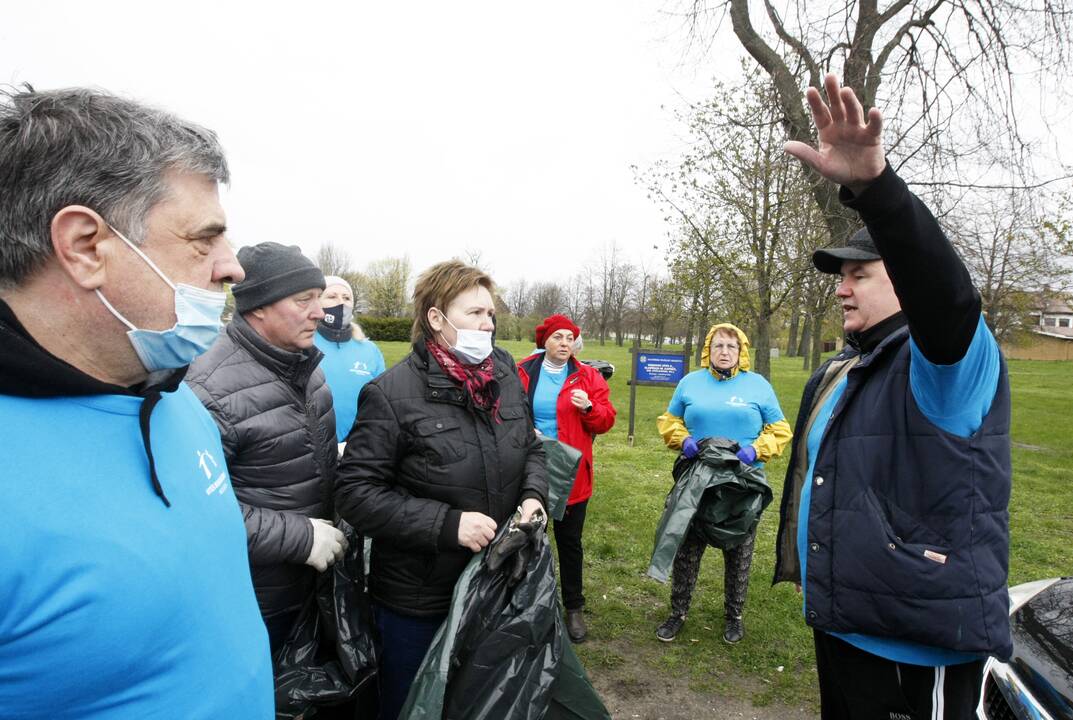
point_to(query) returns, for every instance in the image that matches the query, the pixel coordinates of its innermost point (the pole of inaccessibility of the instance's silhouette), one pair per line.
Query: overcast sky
(423, 128)
(430, 129)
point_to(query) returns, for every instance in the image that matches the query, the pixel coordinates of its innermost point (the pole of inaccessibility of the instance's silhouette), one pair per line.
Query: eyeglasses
(719, 347)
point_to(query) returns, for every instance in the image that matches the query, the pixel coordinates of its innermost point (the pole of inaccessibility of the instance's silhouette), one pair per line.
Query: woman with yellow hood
(721, 399)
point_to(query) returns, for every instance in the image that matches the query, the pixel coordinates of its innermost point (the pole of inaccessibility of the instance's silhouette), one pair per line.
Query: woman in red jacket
(571, 403)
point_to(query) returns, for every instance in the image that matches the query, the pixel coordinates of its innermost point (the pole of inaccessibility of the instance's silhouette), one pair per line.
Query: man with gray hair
(125, 588)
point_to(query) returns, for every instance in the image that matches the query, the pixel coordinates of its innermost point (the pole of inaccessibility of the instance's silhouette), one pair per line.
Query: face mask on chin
(471, 346)
(197, 323)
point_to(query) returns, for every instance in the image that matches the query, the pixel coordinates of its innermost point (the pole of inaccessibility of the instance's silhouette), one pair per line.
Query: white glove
(329, 544)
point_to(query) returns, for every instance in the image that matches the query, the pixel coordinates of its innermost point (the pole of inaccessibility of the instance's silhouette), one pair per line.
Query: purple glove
(689, 448)
(747, 454)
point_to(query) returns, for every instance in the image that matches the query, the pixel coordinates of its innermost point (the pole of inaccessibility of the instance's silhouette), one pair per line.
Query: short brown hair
(438, 286)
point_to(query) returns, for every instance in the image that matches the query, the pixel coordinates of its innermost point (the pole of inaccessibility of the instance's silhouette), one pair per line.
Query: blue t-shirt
(956, 398)
(545, 399)
(347, 367)
(111, 604)
(737, 408)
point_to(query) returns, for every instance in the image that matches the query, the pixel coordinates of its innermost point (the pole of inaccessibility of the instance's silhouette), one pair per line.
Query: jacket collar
(441, 387)
(532, 365)
(336, 336)
(294, 367)
(28, 370)
(868, 340)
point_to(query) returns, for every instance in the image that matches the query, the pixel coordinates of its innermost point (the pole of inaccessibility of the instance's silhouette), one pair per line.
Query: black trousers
(686, 570)
(857, 685)
(571, 554)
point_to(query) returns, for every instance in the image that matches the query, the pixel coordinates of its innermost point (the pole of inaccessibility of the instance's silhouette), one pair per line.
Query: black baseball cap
(859, 247)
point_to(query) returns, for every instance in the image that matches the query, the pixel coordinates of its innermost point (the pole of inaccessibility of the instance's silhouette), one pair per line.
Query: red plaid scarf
(477, 379)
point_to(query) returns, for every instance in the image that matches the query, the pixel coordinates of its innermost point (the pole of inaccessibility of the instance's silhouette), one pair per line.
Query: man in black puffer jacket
(261, 384)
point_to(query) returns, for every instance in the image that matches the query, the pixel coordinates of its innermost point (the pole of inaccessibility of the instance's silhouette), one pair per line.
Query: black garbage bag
(722, 495)
(329, 656)
(502, 653)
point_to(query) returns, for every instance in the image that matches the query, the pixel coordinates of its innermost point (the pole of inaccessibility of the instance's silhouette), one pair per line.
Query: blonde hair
(438, 286)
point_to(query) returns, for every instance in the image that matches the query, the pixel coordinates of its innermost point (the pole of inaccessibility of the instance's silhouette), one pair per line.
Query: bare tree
(664, 306)
(600, 291)
(333, 260)
(1014, 253)
(547, 299)
(574, 298)
(820, 301)
(519, 298)
(693, 283)
(475, 257)
(945, 72)
(745, 208)
(625, 279)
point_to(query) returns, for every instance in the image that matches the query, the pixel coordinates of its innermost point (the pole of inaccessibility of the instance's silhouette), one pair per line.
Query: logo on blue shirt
(219, 485)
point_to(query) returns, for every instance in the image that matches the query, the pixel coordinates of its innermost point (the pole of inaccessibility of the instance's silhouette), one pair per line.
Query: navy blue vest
(908, 527)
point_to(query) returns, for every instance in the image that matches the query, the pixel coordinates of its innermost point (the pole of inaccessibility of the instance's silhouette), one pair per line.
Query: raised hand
(850, 152)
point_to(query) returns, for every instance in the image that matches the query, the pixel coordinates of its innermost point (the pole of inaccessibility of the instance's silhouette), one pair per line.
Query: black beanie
(273, 272)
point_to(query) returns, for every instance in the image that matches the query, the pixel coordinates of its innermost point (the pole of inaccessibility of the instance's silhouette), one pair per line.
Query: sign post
(653, 367)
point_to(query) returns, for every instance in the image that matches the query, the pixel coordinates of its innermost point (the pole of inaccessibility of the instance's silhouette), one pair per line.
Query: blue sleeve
(770, 410)
(678, 400)
(957, 397)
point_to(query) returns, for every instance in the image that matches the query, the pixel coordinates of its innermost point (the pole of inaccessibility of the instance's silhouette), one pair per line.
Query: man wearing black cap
(261, 384)
(894, 517)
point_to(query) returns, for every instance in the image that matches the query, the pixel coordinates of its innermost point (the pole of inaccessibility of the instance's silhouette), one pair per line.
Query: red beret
(553, 323)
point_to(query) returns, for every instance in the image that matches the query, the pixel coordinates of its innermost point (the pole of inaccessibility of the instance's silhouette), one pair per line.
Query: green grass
(631, 483)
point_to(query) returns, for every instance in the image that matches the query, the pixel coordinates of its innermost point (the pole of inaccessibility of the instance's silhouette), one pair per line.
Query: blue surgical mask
(197, 323)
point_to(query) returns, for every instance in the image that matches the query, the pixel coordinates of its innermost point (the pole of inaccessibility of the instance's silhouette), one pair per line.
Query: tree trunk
(688, 347)
(762, 346)
(795, 323)
(702, 330)
(817, 337)
(804, 347)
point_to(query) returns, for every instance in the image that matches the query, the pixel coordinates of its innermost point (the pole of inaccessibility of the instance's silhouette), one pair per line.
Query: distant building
(1049, 335)
(1056, 318)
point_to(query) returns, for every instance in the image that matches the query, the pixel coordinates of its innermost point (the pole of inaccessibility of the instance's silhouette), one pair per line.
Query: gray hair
(85, 147)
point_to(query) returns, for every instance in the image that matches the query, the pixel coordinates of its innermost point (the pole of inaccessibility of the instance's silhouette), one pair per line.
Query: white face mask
(471, 346)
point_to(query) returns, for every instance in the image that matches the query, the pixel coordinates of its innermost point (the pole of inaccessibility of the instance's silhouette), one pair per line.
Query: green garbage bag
(723, 495)
(502, 653)
(561, 461)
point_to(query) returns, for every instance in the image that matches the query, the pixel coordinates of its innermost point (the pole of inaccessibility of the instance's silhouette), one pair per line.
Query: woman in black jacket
(443, 452)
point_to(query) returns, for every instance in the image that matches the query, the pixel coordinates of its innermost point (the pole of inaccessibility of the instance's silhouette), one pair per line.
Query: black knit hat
(273, 272)
(859, 247)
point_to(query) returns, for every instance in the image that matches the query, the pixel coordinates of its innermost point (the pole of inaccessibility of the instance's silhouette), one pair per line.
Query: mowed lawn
(774, 663)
